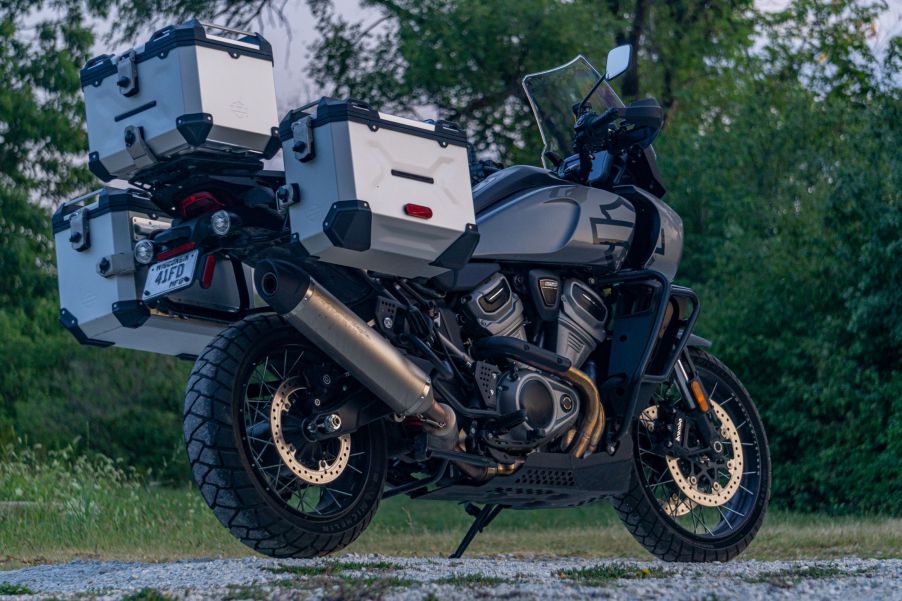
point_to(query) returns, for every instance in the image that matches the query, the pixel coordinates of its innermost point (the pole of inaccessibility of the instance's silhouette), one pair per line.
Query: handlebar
(640, 124)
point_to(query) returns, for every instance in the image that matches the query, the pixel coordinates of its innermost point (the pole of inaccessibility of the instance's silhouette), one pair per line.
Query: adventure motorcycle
(544, 360)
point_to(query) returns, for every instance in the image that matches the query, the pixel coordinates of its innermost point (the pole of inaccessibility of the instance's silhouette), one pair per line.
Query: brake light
(174, 252)
(198, 204)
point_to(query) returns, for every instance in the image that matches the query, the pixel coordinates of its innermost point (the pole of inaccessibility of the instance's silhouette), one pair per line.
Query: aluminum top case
(185, 91)
(101, 285)
(376, 191)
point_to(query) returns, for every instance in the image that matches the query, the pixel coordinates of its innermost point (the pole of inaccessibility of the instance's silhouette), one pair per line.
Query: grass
(14, 589)
(147, 594)
(603, 574)
(346, 580)
(791, 577)
(471, 580)
(59, 507)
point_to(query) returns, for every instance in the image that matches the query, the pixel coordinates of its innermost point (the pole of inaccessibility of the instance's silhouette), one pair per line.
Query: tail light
(198, 204)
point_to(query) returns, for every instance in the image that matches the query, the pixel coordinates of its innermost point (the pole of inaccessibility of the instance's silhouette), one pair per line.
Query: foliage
(61, 505)
(51, 390)
(466, 58)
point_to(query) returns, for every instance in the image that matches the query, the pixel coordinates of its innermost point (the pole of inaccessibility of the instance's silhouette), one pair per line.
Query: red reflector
(418, 211)
(172, 252)
(209, 268)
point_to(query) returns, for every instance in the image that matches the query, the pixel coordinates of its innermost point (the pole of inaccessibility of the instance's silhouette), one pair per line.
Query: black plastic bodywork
(548, 480)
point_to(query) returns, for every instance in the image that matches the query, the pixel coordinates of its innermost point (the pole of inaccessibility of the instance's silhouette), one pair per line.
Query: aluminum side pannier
(184, 92)
(376, 191)
(101, 285)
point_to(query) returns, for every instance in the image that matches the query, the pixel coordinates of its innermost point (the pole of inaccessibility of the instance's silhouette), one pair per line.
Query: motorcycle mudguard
(698, 342)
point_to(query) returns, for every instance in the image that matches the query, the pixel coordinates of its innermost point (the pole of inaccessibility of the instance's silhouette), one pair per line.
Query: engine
(542, 407)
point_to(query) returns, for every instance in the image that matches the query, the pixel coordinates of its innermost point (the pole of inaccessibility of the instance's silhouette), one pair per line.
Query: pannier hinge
(302, 139)
(138, 148)
(79, 235)
(127, 74)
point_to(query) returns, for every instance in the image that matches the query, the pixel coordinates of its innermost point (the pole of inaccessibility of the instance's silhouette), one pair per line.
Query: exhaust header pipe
(330, 325)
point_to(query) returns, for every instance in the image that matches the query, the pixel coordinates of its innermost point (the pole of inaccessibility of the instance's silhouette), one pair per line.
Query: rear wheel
(250, 398)
(700, 506)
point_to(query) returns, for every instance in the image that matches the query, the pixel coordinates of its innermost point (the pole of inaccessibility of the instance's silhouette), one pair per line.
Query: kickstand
(483, 517)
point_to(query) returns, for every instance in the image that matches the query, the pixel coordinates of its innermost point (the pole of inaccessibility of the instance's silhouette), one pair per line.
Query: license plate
(170, 275)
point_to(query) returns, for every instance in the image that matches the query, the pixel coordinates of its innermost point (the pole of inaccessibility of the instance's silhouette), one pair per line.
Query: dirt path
(372, 577)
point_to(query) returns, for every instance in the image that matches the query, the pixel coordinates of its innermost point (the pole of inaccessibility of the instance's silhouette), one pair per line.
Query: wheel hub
(700, 479)
(314, 463)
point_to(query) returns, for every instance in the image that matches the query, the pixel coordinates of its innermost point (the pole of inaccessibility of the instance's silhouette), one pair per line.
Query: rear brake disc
(318, 471)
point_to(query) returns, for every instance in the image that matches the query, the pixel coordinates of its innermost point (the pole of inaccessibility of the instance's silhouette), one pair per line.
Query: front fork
(697, 400)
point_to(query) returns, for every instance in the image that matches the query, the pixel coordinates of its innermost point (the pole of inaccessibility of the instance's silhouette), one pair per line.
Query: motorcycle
(553, 364)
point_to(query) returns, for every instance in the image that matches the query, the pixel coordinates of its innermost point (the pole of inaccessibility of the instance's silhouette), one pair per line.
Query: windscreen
(552, 95)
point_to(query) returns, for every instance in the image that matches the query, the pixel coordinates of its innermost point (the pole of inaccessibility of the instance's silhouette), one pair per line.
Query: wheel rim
(282, 388)
(711, 512)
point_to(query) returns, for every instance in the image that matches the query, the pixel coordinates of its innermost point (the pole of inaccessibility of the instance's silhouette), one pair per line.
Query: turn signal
(221, 223)
(699, 395)
(144, 252)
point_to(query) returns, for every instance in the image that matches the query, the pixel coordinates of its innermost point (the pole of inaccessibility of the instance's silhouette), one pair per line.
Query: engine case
(551, 408)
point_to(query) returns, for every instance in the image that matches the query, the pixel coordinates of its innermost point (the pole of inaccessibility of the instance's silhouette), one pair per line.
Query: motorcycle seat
(507, 182)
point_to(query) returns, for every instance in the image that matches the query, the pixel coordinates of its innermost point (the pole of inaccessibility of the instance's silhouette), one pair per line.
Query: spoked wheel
(696, 505)
(253, 398)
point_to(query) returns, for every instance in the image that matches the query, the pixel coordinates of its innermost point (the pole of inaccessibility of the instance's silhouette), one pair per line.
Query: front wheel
(249, 398)
(695, 505)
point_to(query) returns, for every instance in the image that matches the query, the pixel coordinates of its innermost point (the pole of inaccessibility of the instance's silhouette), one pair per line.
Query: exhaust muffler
(330, 325)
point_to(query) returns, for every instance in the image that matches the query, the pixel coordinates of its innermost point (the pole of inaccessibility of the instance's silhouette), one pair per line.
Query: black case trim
(97, 168)
(331, 110)
(135, 111)
(274, 144)
(109, 200)
(195, 127)
(349, 224)
(131, 314)
(70, 322)
(164, 40)
(458, 254)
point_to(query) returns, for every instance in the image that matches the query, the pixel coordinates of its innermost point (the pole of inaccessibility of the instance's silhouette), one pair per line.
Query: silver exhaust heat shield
(352, 343)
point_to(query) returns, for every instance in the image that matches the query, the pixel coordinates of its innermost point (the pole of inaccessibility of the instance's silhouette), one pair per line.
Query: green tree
(52, 390)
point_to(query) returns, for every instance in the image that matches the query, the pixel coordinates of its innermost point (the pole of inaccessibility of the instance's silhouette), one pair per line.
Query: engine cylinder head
(581, 322)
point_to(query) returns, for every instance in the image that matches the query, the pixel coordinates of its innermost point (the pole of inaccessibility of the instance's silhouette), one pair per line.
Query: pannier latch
(138, 148)
(287, 196)
(79, 235)
(118, 264)
(127, 74)
(302, 139)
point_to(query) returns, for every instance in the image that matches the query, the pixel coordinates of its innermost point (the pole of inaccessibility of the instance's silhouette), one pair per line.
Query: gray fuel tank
(564, 224)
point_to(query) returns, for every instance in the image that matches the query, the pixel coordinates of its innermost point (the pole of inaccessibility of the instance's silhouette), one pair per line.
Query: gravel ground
(401, 578)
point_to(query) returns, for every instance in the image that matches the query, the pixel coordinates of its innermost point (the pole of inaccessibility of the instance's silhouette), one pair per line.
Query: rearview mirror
(618, 62)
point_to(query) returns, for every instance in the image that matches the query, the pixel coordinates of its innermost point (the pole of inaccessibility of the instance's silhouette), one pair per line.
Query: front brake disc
(713, 494)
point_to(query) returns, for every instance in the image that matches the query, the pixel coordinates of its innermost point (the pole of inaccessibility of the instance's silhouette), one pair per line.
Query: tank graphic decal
(563, 225)
(602, 227)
